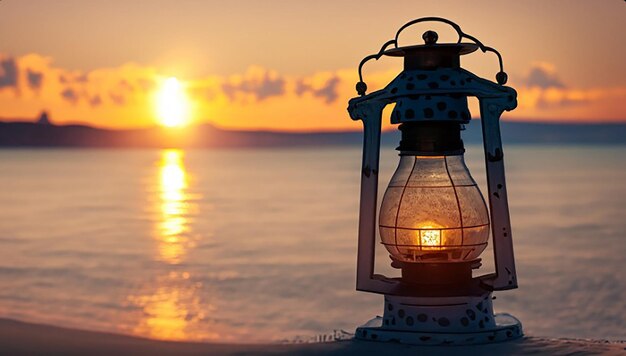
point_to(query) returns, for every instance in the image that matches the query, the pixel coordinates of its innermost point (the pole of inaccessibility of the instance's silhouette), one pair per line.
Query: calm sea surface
(260, 244)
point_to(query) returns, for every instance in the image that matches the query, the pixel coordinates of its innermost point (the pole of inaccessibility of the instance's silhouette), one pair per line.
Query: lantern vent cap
(430, 45)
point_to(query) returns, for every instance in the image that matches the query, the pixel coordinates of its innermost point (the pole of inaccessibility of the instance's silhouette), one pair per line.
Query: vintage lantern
(433, 219)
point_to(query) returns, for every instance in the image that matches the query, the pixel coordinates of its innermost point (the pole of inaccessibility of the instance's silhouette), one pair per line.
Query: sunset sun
(172, 104)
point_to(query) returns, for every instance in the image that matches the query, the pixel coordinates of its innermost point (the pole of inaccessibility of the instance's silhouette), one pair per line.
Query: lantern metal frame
(494, 99)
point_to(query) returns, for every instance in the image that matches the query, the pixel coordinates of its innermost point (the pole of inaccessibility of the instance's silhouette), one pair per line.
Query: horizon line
(564, 122)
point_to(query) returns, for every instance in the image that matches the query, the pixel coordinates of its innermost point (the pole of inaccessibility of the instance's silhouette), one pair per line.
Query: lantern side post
(505, 275)
(369, 110)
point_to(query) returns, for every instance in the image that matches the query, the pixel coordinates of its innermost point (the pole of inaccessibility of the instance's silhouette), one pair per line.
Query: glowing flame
(430, 237)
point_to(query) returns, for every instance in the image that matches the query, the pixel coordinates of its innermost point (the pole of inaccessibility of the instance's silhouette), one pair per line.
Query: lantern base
(463, 320)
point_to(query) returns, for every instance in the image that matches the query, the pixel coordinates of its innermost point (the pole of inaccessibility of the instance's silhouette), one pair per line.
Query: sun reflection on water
(174, 207)
(172, 308)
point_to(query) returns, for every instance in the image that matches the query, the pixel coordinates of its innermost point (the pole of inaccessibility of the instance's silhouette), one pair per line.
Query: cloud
(561, 98)
(34, 79)
(125, 96)
(74, 77)
(70, 95)
(118, 99)
(113, 92)
(8, 73)
(257, 82)
(543, 75)
(146, 84)
(125, 85)
(95, 101)
(543, 89)
(542, 94)
(328, 91)
(81, 78)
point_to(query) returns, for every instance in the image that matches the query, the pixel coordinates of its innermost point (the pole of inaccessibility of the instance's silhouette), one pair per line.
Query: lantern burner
(457, 274)
(431, 139)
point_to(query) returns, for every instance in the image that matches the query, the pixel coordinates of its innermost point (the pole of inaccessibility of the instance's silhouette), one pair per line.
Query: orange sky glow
(293, 72)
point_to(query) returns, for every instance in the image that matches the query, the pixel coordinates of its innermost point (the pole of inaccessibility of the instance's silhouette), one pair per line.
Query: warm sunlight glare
(172, 104)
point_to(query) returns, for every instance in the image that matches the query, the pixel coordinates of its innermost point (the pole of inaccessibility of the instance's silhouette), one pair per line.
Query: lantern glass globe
(433, 211)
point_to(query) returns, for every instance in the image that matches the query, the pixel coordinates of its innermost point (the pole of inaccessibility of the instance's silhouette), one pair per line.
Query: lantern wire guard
(434, 220)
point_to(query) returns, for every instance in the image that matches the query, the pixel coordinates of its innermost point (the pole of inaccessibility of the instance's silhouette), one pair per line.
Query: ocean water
(252, 245)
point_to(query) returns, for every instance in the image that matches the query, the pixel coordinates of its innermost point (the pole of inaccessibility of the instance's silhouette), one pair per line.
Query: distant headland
(42, 132)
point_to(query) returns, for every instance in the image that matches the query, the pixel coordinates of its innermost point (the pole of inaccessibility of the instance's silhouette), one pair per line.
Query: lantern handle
(361, 87)
(456, 27)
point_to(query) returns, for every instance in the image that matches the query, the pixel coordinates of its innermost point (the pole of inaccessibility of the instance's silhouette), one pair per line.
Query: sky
(291, 65)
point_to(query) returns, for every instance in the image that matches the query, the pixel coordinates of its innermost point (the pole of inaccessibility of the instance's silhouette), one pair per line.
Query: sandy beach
(20, 338)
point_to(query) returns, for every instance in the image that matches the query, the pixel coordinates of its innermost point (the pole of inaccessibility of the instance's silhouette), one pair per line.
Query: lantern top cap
(430, 45)
(431, 55)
